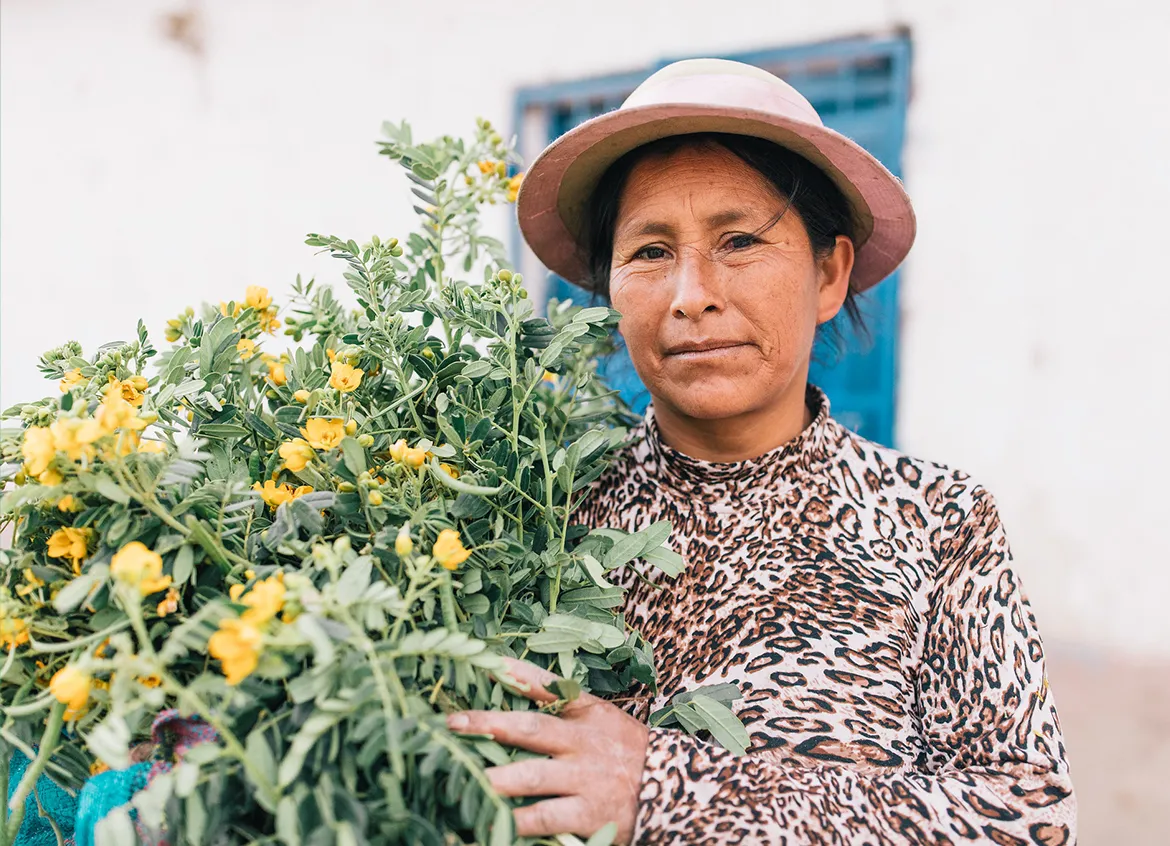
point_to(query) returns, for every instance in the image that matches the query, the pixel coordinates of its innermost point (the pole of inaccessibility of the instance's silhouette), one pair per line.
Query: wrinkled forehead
(694, 179)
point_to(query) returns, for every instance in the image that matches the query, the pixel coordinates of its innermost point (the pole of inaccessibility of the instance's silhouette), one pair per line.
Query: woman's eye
(651, 253)
(742, 242)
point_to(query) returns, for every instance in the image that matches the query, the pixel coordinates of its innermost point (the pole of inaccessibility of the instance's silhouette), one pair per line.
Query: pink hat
(710, 95)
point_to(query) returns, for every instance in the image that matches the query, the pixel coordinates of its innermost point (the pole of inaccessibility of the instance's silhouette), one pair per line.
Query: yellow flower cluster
(76, 436)
(138, 566)
(275, 495)
(320, 434)
(72, 379)
(73, 544)
(72, 686)
(514, 187)
(345, 377)
(237, 643)
(449, 550)
(13, 632)
(410, 456)
(276, 373)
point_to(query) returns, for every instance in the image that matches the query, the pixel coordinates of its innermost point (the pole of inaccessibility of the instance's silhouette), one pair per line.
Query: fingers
(532, 680)
(563, 815)
(530, 730)
(535, 777)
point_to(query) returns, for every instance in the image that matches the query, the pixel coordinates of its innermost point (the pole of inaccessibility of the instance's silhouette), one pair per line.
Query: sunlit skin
(720, 296)
(707, 254)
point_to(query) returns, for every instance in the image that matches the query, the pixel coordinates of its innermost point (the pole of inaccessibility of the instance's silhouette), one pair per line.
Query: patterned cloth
(866, 605)
(59, 806)
(171, 737)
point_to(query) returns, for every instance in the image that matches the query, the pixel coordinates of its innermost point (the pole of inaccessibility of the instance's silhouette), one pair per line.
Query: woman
(863, 601)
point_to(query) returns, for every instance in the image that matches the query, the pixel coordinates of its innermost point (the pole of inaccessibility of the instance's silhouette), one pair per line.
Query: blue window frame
(860, 87)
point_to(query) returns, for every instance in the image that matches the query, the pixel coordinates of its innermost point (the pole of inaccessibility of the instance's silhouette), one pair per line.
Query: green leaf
(107, 487)
(666, 560)
(604, 836)
(313, 730)
(565, 631)
(184, 564)
(74, 593)
(354, 581)
(263, 767)
(724, 726)
(288, 823)
(353, 455)
(502, 827)
(595, 571)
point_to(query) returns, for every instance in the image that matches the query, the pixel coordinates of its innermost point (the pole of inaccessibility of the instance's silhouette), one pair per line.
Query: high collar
(776, 469)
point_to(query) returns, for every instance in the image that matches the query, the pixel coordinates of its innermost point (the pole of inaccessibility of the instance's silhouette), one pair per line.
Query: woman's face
(718, 288)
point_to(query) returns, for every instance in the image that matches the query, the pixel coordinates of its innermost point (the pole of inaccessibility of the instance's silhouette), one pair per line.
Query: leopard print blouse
(866, 606)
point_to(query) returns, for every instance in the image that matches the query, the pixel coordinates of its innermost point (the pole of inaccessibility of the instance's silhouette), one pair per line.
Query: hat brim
(555, 193)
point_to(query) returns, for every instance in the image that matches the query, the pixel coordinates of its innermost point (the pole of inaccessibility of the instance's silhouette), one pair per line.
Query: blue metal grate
(860, 87)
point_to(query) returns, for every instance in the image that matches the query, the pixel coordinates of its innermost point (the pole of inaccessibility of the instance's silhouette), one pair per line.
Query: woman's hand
(597, 753)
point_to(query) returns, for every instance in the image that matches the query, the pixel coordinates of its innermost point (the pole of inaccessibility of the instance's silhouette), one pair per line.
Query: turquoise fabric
(59, 804)
(102, 794)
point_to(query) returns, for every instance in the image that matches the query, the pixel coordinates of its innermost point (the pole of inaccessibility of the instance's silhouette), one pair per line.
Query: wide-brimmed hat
(710, 95)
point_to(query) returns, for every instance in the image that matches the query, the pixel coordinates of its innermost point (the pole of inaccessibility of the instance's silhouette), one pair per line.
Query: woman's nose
(698, 287)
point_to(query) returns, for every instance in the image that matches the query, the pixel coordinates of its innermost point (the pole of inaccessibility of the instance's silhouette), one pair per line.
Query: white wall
(140, 173)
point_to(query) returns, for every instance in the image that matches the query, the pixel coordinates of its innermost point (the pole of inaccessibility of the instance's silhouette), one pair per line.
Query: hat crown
(722, 82)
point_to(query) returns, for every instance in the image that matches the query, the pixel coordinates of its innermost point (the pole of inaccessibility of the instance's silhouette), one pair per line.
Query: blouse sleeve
(994, 768)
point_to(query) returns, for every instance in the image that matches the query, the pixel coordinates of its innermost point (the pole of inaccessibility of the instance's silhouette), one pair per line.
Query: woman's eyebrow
(638, 229)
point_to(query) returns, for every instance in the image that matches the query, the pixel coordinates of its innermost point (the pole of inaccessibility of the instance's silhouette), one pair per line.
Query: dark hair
(817, 200)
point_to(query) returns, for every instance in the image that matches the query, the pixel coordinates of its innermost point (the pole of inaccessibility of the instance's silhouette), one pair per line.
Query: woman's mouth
(705, 350)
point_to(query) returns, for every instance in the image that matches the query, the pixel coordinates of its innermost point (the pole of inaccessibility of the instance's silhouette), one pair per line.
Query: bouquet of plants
(312, 552)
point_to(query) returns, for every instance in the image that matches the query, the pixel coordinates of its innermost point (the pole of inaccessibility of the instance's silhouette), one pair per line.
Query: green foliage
(321, 552)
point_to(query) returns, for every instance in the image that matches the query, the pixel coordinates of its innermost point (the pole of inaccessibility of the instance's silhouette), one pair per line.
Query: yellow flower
(398, 450)
(448, 549)
(71, 686)
(152, 446)
(236, 591)
(514, 187)
(275, 495)
(132, 389)
(13, 632)
(98, 767)
(138, 566)
(50, 478)
(70, 543)
(276, 372)
(74, 436)
(449, 470)
(296, 454)
(324, 433)
(330, 353)
(264, 600)
(169, 603)
(33, 583)
(37, 449)
(415, 457)
(150, 681)
(345, 378)
(486, 166)
(116, 412)
(68, 503)
(237, 646)
(403, 544)
(301, 396)
(246, 348)
(256, 296)
(268, 321)
(72, 379)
